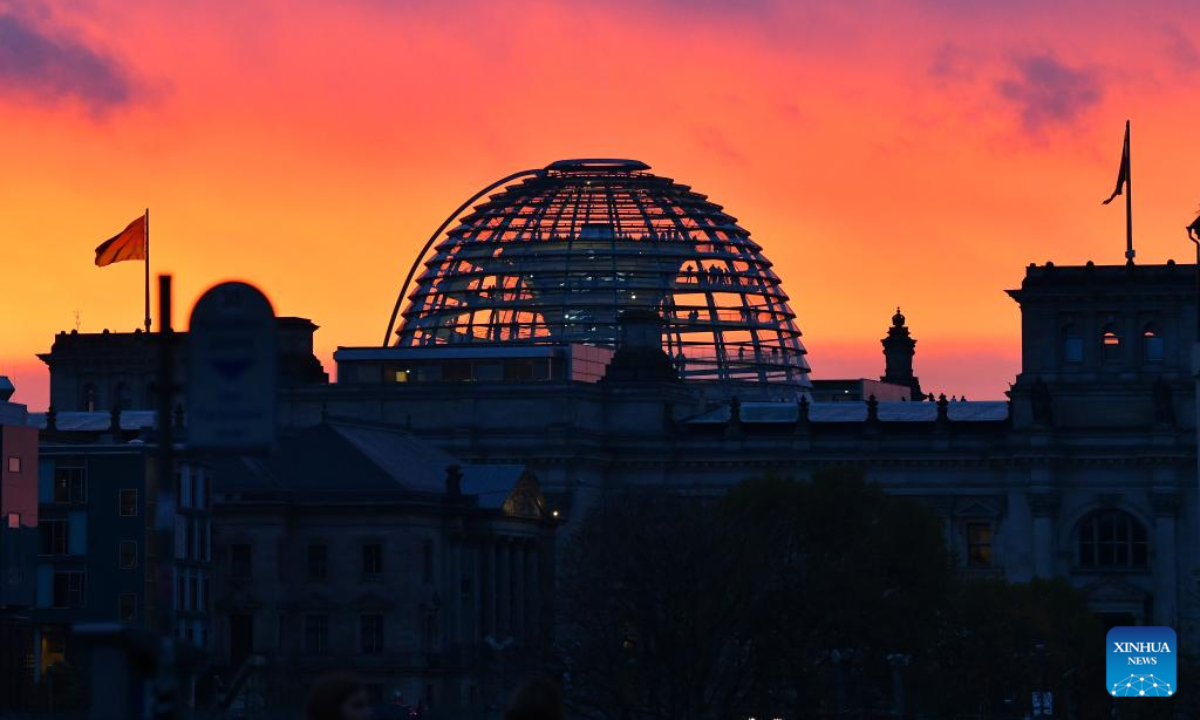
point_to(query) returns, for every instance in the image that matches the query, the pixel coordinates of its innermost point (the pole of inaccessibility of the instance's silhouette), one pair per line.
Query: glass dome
(557, 254)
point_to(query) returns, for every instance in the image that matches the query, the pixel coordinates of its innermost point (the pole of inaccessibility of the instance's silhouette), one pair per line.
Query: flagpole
(146, 240)
(1128, 197)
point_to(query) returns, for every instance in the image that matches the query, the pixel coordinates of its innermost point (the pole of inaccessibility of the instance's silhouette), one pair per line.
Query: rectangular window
(185, 489)
(55, 535)
(202, 542)
(128, 552)
(127, 607)
(70, 589)
(240, 561)
(318, 562)
(316, 634)
(979, 544)
(70, 485)
(127, 503)
(14, 464)
(372, 560)
(1073, 349)
(371, 632)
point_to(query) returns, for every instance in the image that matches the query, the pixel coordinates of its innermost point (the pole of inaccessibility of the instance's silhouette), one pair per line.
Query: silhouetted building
(18, 547)
(858, 391)
(92, 564)
(512, 355)
(96, 372)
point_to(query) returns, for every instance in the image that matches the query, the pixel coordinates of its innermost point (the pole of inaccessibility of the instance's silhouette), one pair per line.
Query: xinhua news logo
(1141, 662)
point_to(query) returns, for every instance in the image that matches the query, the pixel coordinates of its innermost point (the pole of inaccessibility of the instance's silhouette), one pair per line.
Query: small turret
(898, 350)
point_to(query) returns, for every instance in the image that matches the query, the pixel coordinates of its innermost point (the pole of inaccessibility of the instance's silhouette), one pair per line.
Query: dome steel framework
(559, 253)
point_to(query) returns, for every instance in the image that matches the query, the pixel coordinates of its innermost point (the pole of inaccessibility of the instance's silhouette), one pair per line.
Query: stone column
(1043, 506)
(503, 591)
(487, 561)
(1164, 561)
(475, 563)
(518, 566)
(532, 594)
(453, 592)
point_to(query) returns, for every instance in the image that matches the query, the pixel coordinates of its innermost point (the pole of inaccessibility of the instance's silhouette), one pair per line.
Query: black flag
(1123, 173)
(1194, 228)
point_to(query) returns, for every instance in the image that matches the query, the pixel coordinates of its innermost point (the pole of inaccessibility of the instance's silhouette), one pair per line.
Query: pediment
(1114, 590)
(373, 602)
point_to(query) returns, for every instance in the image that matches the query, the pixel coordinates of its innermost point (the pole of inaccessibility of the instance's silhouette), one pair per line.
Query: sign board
(232, 367)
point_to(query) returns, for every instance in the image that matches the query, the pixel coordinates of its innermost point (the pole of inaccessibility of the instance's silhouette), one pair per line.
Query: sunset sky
(916, 153)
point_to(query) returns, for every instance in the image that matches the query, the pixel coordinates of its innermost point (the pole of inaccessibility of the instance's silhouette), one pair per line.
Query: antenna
(78, 319)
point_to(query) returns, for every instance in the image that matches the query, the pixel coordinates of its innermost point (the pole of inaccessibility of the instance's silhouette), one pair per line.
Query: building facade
(18, 543)
(355, 546)
(99, 372)
(1088, 471)
(92, 562)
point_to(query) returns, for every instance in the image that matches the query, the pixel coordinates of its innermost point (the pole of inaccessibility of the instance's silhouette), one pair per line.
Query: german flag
(129, 244)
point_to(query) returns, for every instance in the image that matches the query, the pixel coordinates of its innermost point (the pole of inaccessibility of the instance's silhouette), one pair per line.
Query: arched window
(89, 399)
(1110, 345)
(1072, 344)
(1152, 344)
(1112, 539)
(124, 397)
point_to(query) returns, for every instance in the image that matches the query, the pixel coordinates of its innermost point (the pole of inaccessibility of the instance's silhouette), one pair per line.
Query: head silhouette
(535, 700)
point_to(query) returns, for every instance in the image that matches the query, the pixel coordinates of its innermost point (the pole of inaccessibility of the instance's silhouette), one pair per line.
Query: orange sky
(917, 153)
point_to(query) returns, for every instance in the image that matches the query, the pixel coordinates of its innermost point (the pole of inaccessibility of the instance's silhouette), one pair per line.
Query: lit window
(1111, 538)
(1152, 345)
(979, 544)
(1110, 346)
(14, 464)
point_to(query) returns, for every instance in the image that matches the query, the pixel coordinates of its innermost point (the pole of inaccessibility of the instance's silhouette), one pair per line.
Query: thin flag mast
(1128, 201)
(146, 239)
